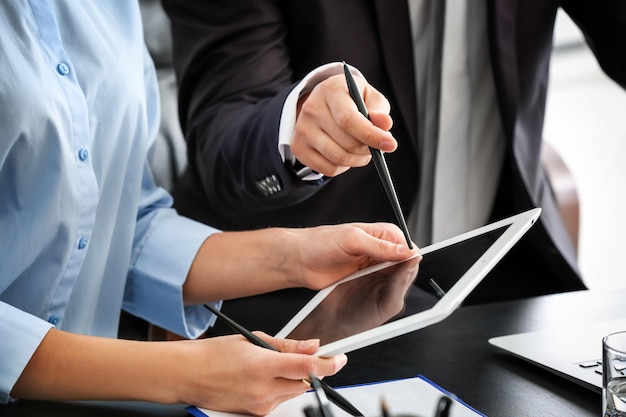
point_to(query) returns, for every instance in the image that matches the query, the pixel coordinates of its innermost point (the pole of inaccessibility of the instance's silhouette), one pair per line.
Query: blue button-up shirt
(83, 228)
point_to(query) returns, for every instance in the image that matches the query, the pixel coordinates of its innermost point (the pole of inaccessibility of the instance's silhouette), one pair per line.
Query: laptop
(573, 352)
(394, 298)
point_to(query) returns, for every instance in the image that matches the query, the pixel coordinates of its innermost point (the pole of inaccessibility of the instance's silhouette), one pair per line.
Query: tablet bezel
(518, 225)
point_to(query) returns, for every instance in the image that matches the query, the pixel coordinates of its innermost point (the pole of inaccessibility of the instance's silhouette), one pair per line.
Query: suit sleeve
(234, 75)
(603, 24)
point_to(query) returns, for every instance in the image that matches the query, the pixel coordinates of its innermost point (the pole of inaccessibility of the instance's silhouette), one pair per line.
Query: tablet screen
(382, 296)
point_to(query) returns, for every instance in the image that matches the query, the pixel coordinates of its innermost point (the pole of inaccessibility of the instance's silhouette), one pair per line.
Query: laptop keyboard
(593, 366)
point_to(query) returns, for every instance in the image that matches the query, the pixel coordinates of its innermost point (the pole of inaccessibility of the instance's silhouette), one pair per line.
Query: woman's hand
(231, 374)
(239, 264)
(326, 254)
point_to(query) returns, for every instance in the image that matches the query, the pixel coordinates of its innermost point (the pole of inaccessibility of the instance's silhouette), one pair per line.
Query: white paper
(414, 396)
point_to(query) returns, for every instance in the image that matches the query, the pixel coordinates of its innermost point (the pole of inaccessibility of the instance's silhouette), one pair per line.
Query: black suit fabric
(237, 61)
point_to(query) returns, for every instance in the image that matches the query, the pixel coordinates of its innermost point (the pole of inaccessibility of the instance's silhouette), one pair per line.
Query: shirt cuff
(288, 116)
(159, 275)
(21, 334)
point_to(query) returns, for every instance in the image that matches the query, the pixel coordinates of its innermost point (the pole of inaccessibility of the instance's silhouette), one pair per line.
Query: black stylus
(443, 407)
(322, 399)
(332, 395)
(379, 160)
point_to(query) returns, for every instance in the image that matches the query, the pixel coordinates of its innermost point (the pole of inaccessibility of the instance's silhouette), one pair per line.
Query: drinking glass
(614, 375)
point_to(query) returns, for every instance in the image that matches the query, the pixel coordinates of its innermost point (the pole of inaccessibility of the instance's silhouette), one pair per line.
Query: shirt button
(63, 68)
(82, 243)
(53, 320)
(83, 154)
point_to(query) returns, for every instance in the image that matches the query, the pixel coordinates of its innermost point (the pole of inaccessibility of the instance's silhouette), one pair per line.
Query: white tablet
(394, 298)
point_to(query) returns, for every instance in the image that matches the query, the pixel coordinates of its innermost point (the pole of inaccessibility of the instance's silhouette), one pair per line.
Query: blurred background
(586, 124)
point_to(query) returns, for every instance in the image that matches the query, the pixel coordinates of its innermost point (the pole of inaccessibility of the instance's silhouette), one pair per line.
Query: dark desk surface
(455, 354)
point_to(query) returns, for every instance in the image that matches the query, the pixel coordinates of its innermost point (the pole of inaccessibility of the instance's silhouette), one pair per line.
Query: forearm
(67, 366)
(238, 264)
(223, 373)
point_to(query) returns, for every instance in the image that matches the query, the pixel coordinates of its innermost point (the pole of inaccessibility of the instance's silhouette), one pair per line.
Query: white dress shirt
(471, 140)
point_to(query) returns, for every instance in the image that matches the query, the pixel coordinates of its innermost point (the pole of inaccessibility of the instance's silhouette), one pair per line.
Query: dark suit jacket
(237, 61)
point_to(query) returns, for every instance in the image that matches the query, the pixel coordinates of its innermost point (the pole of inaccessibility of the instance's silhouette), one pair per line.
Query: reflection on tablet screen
(402, 289)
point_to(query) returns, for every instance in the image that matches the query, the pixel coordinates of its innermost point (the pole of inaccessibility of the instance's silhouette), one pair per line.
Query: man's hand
(331, 136)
